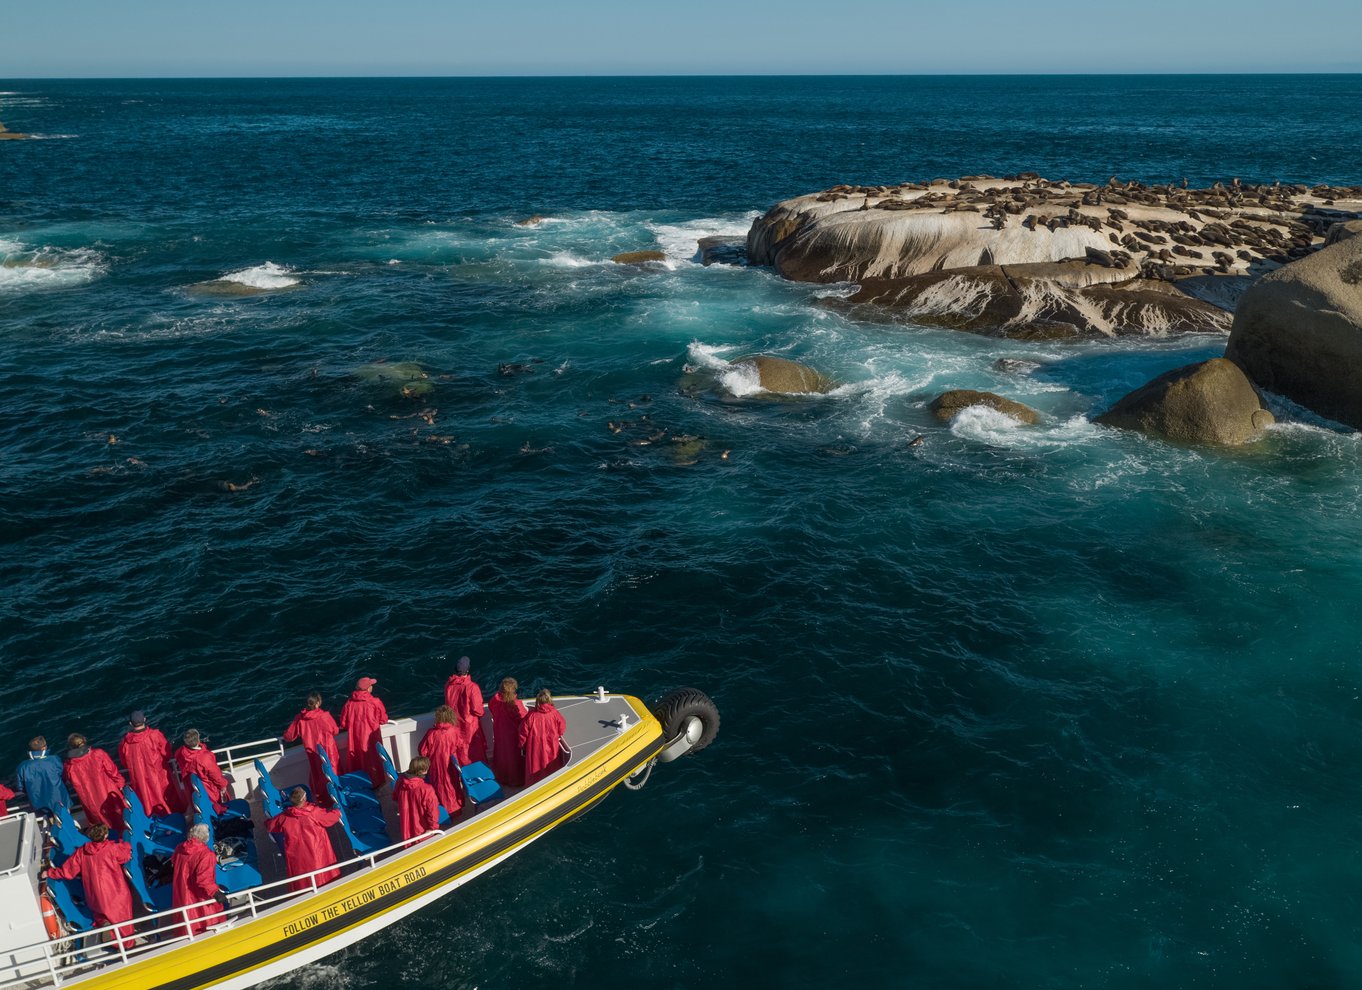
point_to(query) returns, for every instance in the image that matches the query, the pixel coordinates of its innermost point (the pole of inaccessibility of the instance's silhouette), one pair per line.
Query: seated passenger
(40, 777)
(540, 735)
(307, 846)
(443, 745)
(508, 712)
(464, 696)
(361, 717)
(317, 730)
(418, 809)
(195, 880)
(146, 756)
(196, 760)
(96, 781)
(99, 866)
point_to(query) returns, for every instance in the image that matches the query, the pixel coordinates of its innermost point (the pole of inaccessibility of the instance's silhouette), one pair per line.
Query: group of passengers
(526, 747)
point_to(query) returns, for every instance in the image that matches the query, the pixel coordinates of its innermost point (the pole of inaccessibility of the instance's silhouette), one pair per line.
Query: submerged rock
(947, 404)
(1208, 403)
(1298, 331)
(639, 257)
(722, 251)
(786, 377)
(533, 221)
(407, 378)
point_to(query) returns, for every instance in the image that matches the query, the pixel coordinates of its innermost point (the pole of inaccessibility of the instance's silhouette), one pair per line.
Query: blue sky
(613, 37)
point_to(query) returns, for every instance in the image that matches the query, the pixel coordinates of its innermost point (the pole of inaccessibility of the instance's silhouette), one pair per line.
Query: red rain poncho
(98, 785)
(5, 795)
(203, 764)
(317, 730)
(360, 718)
(99, 867)
(507, 764)
(307, 847)
(465, 697)
(195, 880)
(418, 809)
(443, 745)
(146, 756)
(539, 736)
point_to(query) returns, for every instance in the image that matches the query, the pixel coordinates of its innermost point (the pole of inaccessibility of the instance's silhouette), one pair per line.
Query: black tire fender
(676, 709)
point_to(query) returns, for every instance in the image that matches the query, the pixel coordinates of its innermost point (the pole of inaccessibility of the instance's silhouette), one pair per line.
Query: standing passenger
(464, 696)
(540, 736)
(146, 756)
(6, 795)
(317, 729)
(508, 712)
(195, 880)
(99, 865)
(442, 745)
(96, 781)
(196, 760)
(418, 809)
(307, 847)
(40, 777)
(361, 717)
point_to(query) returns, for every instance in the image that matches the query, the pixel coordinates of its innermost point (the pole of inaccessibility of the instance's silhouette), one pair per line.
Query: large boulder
(639, 257)
(1298, 331)
(1207, 403)
(786, 377)
(947, 404)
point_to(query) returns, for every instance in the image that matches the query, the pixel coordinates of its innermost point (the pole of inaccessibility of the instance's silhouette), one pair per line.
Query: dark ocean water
(1051, 707)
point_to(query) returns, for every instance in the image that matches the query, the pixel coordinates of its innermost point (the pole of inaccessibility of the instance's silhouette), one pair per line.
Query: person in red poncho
(317, 730)
(464, 696)
(443, 745)
(540, 735)
(418, 809)
(196, 760)
(97, 783)
(145, 754)
(508, 711)
(6, 795)
(195, 880)
(361, 717)
(99, 865)
(307, 847)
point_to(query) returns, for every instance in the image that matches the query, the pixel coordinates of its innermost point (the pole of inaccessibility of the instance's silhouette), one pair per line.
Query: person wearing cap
(464, 696)
(361, 717)
(145, 754)
(443, 746)
(97, 783)
(317, 730)
(196, 760)
(307, 846)
(418, 809)
(541, 736)
(195, 880)
(40, 777)
(101, 867)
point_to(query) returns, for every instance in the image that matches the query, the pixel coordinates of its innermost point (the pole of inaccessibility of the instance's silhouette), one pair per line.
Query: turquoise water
(1046, 707)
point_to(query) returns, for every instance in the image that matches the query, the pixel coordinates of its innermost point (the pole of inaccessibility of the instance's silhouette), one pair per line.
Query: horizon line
(685, 75)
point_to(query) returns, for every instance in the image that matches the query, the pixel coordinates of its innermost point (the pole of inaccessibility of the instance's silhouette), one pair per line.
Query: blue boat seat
(480, 784)
(388, 767)
(151, 835)
(65, 832)
(272, 798)
(351, 796)
(237, 875)
(64, 895)
(158, 897)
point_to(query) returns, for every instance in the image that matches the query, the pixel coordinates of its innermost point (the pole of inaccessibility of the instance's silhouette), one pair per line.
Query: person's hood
(136, 736)
(312, 714)
(443, 727)
(365, 696)
(75, 754)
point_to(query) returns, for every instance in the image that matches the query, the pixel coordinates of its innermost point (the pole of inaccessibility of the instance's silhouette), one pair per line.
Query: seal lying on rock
(947, 404)
(1211, 402)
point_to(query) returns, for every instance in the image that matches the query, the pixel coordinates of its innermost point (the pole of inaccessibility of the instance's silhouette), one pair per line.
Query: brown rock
(639, 257)
(947, 404)
(786, 377)
(1211, 402)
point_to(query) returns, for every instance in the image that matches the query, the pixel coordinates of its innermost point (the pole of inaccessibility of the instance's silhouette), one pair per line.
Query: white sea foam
(739, 380)
(266, 276)
(566, 259)
(27, 269)
(680, 241)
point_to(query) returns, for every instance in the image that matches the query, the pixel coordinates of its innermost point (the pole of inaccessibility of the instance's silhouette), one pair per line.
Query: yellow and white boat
(268, 930)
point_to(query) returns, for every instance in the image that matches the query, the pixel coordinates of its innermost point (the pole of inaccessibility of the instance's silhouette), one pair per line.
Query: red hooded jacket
(203, 764)
(464, 696)
(99, 867)
(195, 880)
(443, 744)
(307, 847)
(540, 733)
(360, 718)
(317, 729)
(99, 785)
(146, 756)
(418, 809)
(5, 795)
(507, 764)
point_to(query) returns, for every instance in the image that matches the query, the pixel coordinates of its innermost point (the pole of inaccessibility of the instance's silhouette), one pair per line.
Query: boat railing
(56, 961)
(247, 752)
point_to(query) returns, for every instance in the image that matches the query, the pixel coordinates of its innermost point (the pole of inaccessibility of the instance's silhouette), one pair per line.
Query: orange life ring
(50, 920)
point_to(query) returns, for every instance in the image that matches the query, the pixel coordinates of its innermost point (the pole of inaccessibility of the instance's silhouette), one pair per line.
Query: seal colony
(1026, 257)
